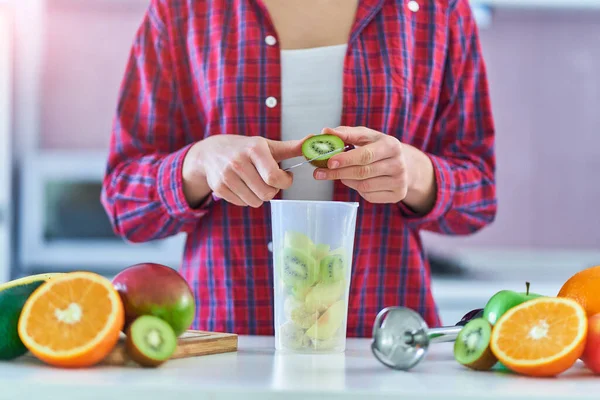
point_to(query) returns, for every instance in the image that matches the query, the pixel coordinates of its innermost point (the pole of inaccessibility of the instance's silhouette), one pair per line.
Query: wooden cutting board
(190, 344)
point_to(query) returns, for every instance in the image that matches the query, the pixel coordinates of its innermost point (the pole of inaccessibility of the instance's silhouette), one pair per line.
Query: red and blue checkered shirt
(200, 68)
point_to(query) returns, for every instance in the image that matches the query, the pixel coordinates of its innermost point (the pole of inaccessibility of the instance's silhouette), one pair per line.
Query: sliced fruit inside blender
(315, 278)
(323, 295)
(333, 267)
(299, 269)
(328, 323)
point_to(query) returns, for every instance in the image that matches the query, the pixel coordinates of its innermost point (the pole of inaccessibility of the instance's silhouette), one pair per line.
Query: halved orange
(540, 337)
(73, 320)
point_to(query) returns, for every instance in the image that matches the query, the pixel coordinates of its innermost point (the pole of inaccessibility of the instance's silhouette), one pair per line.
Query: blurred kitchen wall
(544, 69)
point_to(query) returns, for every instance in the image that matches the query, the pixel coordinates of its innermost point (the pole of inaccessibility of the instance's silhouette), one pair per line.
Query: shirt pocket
(417, 72)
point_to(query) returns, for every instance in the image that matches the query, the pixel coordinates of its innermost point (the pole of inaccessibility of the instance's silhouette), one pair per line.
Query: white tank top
(311, 99)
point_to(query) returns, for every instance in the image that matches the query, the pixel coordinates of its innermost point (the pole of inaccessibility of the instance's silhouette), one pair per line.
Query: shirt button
(270, 246)
(271, 102)
(270, 40)
(413, 6)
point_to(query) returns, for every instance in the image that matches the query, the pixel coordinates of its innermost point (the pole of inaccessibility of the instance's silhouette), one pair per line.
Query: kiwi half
(150, 341)
(299, 268)
(472, 346)
(318, 145)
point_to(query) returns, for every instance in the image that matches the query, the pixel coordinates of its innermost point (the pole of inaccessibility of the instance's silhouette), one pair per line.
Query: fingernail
(320, 175)
(334, 164)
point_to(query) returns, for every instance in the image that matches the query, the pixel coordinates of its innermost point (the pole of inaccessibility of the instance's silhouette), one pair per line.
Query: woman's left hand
(378, 168)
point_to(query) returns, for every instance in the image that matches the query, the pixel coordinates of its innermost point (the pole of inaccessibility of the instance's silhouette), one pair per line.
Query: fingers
(385, 167)
(362, 155)
(267, 167)
(282, 150)
(372, 185)
(226, 194)
(254, 182)
(382, 197)
(359, 136)
(234, 182)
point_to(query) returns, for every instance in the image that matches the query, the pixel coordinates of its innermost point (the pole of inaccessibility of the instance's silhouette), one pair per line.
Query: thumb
(282, 150)
(359, 136)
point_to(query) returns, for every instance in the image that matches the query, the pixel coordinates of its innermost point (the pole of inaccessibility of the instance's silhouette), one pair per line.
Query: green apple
(503, 301)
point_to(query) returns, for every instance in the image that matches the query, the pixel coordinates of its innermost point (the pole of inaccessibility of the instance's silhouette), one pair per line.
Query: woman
(216, 99)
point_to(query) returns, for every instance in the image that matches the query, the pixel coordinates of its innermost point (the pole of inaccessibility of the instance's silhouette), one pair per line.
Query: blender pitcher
(313, 244)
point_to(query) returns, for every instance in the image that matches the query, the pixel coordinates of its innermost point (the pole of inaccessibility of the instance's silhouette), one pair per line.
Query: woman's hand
(242, 170)
(381, 168)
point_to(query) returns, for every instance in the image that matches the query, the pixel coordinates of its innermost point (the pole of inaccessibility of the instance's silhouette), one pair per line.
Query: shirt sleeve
(142, 190)
(462, 149)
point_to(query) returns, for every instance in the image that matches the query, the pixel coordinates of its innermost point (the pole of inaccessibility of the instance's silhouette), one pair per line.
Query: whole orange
(584, 288)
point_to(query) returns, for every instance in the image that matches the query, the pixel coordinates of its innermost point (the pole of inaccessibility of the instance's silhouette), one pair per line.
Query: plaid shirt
(200, 68)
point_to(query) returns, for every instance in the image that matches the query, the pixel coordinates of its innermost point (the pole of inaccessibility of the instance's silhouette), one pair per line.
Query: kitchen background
(61, 62)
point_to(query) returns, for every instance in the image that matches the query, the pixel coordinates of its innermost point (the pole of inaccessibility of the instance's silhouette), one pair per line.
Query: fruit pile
(534, 335)
(76, 319)
(312, 288)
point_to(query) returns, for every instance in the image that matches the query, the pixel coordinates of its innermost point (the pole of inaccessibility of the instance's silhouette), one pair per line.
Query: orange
(583, 287)
(73, 320)
(540, 337)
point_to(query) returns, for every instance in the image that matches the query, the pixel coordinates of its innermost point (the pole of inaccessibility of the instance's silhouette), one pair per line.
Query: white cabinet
(5, 142)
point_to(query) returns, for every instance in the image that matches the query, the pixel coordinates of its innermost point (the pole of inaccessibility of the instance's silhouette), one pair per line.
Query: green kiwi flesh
(150, 341)
(472, 346)
(317, 145)
(299, 268)
(332, 268)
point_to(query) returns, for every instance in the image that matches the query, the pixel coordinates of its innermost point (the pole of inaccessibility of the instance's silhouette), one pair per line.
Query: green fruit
(299, 241)
(472, 346)
(300, 293)
(503, 301)
(13, 296)
(320, 251)
(293, 336)
(328, 324)
(333, 267)
(155, 289)
(318, 145)
(323, 295)
(150, 341)
(298, 269)
(303, 318)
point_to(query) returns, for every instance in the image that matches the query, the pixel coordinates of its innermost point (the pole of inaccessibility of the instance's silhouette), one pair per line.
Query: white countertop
(257, 372)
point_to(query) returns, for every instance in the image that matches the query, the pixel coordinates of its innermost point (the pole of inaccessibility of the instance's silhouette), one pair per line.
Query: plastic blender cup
(313, 244)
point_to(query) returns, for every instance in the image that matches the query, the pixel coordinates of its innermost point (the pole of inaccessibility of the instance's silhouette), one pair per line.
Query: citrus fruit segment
(583, 287)
(541, 337)
(73, 320)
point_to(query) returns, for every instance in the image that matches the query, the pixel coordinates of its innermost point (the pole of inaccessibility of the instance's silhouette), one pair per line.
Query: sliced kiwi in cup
(150, 341)
(472, 346)
(320, 145)
(299, 269)
(332, 268)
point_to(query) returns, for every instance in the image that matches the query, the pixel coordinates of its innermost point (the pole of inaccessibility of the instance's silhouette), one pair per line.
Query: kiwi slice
(298, 241)
(150, 341)
(332, 268)
(321, 250)
(472, 346)
(315, 146)
(299, 269)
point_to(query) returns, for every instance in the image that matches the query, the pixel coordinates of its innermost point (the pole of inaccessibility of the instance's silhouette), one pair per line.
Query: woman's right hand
(242, 170)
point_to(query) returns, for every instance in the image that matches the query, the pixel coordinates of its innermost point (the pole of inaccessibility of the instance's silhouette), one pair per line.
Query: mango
(155, 289)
